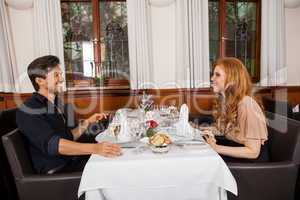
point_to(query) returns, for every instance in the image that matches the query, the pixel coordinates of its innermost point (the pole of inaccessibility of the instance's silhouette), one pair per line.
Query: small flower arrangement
(151, 126)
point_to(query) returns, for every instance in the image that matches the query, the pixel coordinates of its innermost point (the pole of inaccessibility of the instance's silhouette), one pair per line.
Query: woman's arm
(251, 150)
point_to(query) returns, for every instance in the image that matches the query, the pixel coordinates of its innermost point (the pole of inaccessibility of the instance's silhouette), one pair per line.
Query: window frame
(222, 38)
(96, 28)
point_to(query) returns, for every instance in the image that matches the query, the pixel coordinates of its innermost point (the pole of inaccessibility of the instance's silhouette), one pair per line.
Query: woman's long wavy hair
(237, 85)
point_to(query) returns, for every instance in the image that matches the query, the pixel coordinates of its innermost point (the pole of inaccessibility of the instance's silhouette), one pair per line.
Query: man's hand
(83, 125)
(107, 149)
(68, 147)
(96, 117)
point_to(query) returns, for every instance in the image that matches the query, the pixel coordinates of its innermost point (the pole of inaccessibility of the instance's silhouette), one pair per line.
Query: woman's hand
(210, 130)
(194, 125)
(107, 149)
(206, 130)
(210, 139)
(96, 117)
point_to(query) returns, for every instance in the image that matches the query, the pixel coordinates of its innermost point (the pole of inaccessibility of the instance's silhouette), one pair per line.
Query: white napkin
(184, 113)
(183, 127)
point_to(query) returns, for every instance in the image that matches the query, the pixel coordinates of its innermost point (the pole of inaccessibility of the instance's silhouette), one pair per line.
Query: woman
(237, 115)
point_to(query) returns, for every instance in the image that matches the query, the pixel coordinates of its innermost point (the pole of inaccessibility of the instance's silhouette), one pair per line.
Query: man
(52, 144)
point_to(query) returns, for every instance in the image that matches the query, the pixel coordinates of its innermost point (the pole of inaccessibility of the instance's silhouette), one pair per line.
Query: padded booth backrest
(7, 184)
(17, 154)
(284, 138)
(278, 107)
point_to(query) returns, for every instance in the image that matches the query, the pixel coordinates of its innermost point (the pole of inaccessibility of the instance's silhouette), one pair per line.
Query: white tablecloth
(184, 173)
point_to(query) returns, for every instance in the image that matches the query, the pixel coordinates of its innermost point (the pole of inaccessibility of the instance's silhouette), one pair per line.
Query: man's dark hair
(40, 67)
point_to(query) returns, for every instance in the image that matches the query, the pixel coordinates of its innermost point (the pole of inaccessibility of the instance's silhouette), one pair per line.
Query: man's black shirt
(43, 123)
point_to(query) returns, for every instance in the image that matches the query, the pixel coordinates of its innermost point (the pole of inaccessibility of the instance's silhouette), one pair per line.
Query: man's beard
(57, 90)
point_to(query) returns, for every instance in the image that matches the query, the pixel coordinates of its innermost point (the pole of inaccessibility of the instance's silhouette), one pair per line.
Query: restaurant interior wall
(163, 30)
(293, 45)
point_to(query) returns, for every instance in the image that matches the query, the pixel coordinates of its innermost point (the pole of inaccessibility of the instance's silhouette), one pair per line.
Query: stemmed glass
(114, 125)
(115, 129)
(137, 129)
(146, 102)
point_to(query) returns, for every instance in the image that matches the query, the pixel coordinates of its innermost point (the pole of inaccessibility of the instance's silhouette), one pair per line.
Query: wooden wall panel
(263, 92)
(175, 97)
(12, 100)
(113, 103)
(85, 106)
(289, 94)
(294, 97)
(2, 103)
(11, 103)
(199, 101)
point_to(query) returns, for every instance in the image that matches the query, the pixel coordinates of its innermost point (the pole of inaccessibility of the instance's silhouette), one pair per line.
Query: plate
(174, 139)
(105, 137)
(191, 142)
(162, 149)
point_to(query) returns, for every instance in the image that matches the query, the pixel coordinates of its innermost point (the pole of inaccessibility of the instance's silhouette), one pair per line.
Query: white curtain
(273, 41)
(8, 68)
(192, 43)
(47, 24)
(191, 35)
(140, 44)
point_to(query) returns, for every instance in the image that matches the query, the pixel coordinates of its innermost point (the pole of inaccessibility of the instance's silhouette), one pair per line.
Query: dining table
(189, 170)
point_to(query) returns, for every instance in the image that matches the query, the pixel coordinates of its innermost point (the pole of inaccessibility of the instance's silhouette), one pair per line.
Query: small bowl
(160, 149)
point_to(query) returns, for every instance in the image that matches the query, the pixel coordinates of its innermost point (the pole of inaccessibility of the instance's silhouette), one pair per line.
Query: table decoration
(151, 126)
(159, 142)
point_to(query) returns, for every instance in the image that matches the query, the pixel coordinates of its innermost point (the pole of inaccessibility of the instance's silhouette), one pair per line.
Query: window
(95, 42)
(234, 30)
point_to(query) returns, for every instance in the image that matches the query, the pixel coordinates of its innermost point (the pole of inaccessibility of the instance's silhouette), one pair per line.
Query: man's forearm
(77, 132)
(67, 147)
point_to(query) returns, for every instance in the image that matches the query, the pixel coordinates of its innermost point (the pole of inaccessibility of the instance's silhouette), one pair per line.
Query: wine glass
(114, 125)
(136, 129)
(146, 102)
(115, 128)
